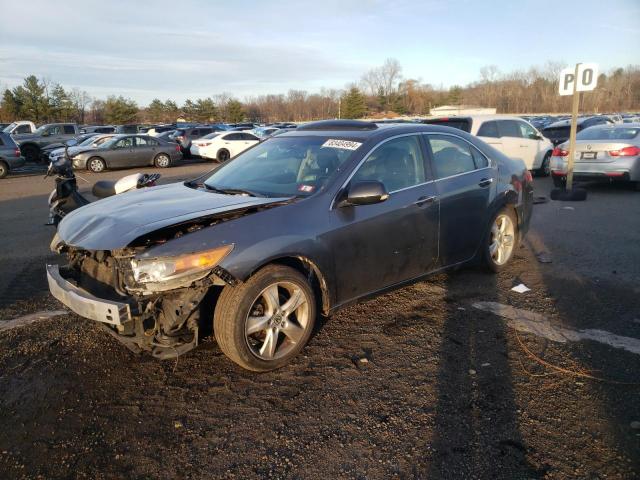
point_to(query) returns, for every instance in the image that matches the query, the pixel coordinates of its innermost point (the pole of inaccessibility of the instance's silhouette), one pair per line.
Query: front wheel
(96, 165)
(545, 168)
(264, 322)
(162, 160)
(502, 240)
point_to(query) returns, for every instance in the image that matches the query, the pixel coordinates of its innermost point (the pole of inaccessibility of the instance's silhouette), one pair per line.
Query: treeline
(382, 91)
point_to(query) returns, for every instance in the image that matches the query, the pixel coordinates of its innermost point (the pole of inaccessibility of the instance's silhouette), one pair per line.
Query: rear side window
(451, 155)
(69, 129)
(489, 129)
(398, 164)
(509, 128)
(463, 124)
(23, 129)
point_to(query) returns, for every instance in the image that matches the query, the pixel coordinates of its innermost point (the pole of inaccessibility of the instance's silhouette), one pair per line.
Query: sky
(183, 49)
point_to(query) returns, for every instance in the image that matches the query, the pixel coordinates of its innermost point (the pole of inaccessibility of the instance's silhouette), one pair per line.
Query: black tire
(96, 165)
(31, 153)
(4, 169)
(232, 314)
(545, 167)
(223, 155)
(487, 256)
(162, 160)
(559, 182)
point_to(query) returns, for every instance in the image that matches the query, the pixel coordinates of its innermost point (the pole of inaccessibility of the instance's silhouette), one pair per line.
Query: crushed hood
(116, 221)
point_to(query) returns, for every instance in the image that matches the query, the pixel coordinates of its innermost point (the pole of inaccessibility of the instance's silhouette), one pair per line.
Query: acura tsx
(297, 226)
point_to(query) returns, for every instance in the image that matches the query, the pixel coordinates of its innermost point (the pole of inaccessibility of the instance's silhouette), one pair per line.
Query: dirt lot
(415, 384)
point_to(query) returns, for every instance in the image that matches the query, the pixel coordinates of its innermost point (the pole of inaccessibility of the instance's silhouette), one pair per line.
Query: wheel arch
(309, 269)
(223, 149)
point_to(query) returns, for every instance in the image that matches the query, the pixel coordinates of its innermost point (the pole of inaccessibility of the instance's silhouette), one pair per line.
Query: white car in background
(513, 136)
(222, 146)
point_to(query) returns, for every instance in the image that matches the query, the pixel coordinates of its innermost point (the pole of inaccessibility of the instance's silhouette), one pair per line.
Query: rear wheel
(502, 240)
(4, 169)
(31, 153)
(223, 155)
(264, 322)
(96, 164)
(162, 160)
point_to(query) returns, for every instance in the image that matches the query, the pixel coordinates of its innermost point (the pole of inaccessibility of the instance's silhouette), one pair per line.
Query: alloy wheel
(96, 165)
(502, 239)
(277, 320)
(162, 161)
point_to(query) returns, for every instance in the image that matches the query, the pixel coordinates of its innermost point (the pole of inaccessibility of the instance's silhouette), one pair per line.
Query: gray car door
(144, 151)
(121, 153)
(465, 180)
(379, 245)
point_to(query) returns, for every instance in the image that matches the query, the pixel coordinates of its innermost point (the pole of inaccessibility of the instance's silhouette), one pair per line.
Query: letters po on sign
(587, 78)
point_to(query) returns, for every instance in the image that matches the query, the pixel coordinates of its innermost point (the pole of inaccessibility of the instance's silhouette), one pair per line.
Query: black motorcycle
(65, 197)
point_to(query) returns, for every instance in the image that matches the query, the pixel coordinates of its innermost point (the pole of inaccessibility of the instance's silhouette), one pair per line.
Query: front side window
(284, 166)
(141, 142)
(125, 143)
(54, 130)
(23, 129)
(233, 136)
(527, 131)
(397, 164)
(451, 156)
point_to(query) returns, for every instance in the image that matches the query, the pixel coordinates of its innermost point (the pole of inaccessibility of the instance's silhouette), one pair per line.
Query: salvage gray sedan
(304, 223)
(610, 152)
(124, 151)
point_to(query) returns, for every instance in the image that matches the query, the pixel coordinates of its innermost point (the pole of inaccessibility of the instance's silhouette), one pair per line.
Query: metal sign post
(582, 78)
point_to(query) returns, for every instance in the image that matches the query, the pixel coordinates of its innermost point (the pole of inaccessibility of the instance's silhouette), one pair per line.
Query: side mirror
(71, 142)
(365, 193)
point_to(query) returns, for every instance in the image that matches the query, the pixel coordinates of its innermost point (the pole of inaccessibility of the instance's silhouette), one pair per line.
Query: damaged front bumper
(85, 304)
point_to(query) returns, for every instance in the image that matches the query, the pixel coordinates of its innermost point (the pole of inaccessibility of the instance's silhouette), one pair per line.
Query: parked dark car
(51, 133)
(184, 136)
(10, 156)
(307, 222)
(98, 129)
(558, 132)
(124, 151)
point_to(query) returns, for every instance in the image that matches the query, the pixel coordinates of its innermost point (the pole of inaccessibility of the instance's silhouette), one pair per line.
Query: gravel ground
(414, 384)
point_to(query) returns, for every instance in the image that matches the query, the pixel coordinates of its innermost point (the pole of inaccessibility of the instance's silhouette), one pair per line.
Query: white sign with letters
(586, 81)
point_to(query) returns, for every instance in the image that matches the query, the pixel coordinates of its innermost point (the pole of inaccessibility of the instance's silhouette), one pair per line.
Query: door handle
(425, 200)
(524, 146)
(485, 182)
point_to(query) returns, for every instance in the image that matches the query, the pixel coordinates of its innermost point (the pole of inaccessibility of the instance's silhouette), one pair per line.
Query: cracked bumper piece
(85, 304)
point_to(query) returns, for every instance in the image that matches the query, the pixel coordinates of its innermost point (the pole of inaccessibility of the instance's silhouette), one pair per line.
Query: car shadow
(476, 432)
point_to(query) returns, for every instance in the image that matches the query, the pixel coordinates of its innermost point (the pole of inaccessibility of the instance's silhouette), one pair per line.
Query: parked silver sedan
(124, 151)
(604, 152)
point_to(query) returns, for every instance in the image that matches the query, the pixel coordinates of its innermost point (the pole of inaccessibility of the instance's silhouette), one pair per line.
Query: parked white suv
(513, 136)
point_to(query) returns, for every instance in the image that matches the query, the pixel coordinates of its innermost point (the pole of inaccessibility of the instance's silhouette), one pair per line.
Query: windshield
(284, 166)
(8, 128)
(87, 141)
(608, 133)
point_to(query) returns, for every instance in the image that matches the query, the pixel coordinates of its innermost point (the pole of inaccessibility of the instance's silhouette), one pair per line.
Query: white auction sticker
(343, 144)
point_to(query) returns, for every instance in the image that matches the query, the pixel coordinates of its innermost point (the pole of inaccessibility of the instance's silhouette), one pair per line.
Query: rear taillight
(17, 152)
(558, 152)
(177, 148)
(204, 144)
(626, 152)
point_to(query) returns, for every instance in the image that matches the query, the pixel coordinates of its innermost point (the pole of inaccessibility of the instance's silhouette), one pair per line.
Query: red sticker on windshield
(306, 188)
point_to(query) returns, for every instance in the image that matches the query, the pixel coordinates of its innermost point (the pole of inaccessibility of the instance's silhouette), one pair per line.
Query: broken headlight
(173, 268)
